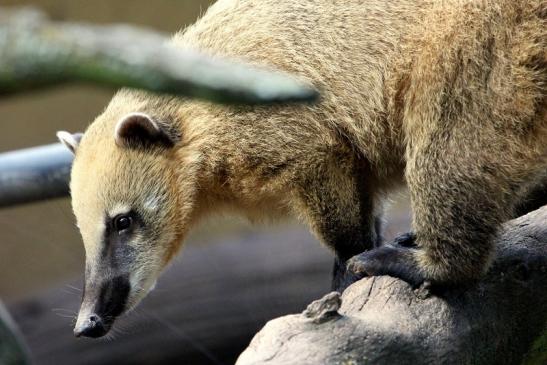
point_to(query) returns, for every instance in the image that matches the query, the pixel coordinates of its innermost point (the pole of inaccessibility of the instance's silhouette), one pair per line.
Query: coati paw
(396, 259)
(406, 240)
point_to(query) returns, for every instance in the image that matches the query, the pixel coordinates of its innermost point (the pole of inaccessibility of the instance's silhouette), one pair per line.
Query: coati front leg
(461, 191)
(457, 208)
(338, 203)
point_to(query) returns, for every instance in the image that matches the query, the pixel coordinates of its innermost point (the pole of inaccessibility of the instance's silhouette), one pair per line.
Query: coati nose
(92, 327)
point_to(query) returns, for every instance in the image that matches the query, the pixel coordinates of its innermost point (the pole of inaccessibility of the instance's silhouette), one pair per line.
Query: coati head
(125, 198)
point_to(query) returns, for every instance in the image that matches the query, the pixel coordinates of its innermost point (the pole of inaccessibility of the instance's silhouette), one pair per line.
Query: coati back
(447, 97)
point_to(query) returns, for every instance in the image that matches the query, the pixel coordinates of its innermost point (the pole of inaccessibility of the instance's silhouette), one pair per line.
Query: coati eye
(122, 222)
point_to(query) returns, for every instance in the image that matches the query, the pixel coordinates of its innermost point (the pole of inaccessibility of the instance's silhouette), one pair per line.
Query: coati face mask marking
(125, 207)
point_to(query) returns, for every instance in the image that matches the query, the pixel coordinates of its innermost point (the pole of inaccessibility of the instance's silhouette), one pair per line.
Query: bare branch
(37, 53)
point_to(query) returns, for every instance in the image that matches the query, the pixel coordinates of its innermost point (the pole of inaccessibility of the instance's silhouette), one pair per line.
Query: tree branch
(37, 53)
(381, 320)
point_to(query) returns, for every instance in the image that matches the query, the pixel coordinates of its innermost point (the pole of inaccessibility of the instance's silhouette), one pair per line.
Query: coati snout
(446, 97)
(101, 305)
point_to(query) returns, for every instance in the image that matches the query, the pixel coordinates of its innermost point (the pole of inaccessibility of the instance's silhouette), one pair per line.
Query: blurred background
(229, 281)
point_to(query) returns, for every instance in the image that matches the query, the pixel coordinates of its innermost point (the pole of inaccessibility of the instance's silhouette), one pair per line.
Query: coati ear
(71, 141)
(140, 130)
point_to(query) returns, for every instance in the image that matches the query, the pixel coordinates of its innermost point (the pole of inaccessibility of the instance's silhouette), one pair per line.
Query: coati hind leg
(339, 206)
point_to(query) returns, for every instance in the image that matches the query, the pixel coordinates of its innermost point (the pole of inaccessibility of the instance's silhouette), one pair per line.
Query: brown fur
(447, 96)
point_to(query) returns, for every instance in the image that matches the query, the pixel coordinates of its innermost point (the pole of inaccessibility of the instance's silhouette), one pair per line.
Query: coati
(448, 97)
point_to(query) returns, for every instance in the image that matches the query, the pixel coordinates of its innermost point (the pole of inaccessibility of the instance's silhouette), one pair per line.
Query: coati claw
(393, 259)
